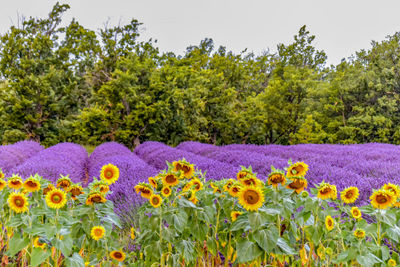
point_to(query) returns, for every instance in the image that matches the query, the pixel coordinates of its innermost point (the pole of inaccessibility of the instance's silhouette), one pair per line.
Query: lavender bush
(61, 159)
(15, 154)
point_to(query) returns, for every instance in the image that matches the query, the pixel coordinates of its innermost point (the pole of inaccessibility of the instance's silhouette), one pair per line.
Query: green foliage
(71, 84)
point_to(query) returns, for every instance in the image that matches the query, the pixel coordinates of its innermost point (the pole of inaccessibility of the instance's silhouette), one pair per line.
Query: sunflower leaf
(74, 261)
(247, 251)
(38, 256)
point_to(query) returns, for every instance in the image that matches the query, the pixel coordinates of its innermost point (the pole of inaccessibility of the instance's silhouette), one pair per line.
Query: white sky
(341, 26)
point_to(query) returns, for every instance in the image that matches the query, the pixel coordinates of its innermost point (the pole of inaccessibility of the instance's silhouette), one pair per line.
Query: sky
(341, 27)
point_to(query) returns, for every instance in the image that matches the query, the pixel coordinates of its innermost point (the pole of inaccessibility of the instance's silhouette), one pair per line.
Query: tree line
(69, 83)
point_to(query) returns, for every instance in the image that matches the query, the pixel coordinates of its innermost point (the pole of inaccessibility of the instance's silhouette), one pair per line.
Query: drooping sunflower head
(395, 189)
(101, 186)
(155, 200)
(250, 181)
(251, 198)
(170, 179)
(95, 197)
(359, 233)
(75, 191)
(326, 191)
(235, 215)
(3, 184)
(2, 175)
(64, 182)
(145, 190)
(297, 169)
(355, 212)
(48, 188)
(228, 185)
(215, 188)
(235, 189)
(329, 223)
(31, 184)
(109, 173)
(187, 187)
(197, 184)
(153, 182)
(349, 195)
(166, 191)
(382, 199)
(185, 167)
(18, 202)
(275, 178)
(15, 182)
(118, 255)
(243, 173)
(38, 244)
(297, 183)
(193, 197)
(132, 233)
(56, 198)
(97, 232)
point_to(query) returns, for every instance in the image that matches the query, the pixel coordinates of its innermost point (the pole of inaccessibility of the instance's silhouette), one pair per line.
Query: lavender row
(156, 154)
(61, 159)
(15, 154)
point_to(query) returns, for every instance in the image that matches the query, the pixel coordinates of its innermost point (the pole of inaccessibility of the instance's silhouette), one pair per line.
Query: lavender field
(366, 166)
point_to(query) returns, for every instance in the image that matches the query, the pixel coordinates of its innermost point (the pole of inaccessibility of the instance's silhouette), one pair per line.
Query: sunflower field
(199, 205)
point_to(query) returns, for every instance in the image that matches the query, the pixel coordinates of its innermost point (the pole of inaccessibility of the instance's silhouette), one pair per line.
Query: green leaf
(247, 251)
(266, 239)
(16, 244)
(65, 245)
(254, 220)
(284, 246)
(212, 245)
(241, 223)
(179, 221)
(74, 261)
(39, 256)
(368, 260)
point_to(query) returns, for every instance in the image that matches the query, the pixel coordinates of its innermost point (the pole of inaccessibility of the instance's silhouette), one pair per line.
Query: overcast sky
(341, 26)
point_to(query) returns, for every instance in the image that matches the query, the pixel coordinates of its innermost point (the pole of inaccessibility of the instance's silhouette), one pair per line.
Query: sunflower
(1, 174)
(56, 198)
(185, 167)
(215, 188)
(228, 185)
(15, 182)
(117, 255)
(31, 185)
(329, 223)
(392, 263)
(359, 233)
(234, 190)
(382, 199)
(250, 181)
(64, 182)
(109, 173)
(18, 202)
(153, 182)
(101, 186)
(95, 197)
(326, 191)
(2, 184)
(187, 186)
(97, 232)
(355, 212)
(243, 173)
(251, 198)
(155, 200)
(193, 197)
(38, 244)
(144, 189)
(276, 178)
(75, 191)
(393, 188)
(349, 195)
(235, 215)
(297, 183)
(297, 169)
(198, 185)
(166, 191)
(132, 233)
(48, 189)
(170, 179)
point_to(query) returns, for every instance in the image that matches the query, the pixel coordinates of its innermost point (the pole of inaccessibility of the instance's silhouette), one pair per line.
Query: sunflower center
(276, 179)
(31, 184)
(235, 189)
(98, 232)
(155, 200)
(19, 202)
(108, 174)
(56, 198)
(15, 182)
(166, 191)
(242, 174)
(349, 194)
(170, 179)
(185, 169)
(251, 196)
(197, 186)
(355, 213)
(296, 184)
(330, 223)
(118, 255)
(325, 191)
(381, 199)
(96, 199)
